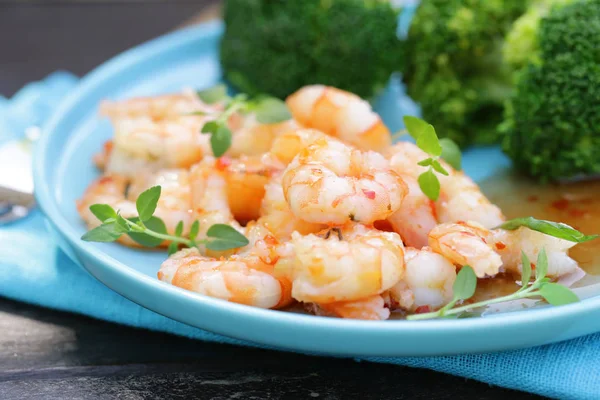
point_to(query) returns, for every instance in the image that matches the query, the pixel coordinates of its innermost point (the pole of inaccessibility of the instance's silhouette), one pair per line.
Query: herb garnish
(268, 110)
(427, 140)
(466, 283)
(556, 229)
(150, 231)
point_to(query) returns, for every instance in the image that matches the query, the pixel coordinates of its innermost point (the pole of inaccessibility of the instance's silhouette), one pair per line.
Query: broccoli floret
(552, 122)
(277, 46)
(521, 45)
(454, 66)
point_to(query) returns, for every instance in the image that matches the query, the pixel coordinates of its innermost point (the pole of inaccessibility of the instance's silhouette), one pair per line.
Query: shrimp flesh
(173, 206)
(209, 197)
(509, 245)
(427, 282)
(246, 178)
(460, 198)
(239, 279)
(466, 243)
(241, 185)
(287, 145)
(340, 114)
(344, 264)
(330, 183)
(155, 132)
(370, 308)
(251, 138)
(416, 216)
(491, 251)
(277, 216)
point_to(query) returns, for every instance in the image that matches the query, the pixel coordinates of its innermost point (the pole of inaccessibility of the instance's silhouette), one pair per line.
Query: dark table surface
(53, 355)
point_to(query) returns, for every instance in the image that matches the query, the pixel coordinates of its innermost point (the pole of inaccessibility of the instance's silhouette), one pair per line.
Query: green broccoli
(454, 66)
(521, 45)
(278, 46)
(552, 122)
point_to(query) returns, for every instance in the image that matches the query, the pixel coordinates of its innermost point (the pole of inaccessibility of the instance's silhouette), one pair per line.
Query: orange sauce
(575, 204)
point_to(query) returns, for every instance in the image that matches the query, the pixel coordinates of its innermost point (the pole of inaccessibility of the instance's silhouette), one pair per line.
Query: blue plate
(63, 169)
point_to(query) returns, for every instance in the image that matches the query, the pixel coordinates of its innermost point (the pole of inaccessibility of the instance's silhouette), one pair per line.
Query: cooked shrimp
(341, 264)
(416, 216)
(277, 216)
(101, 159)
(156, 132)
(466, 243)
(239, 279)
(287, 145)
(509, 245)
(340, 114)
(460, 198)
(209, 196)
(108, 189)
(370, 308)
(427, 281)
(328, 182)
(173, 206)
(252, 138)
(245, 178)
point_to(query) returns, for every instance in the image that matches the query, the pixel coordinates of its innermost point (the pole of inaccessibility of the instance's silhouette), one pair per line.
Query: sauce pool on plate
(575, 204)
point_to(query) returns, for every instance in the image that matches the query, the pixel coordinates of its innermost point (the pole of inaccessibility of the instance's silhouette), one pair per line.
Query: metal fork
(16, 178)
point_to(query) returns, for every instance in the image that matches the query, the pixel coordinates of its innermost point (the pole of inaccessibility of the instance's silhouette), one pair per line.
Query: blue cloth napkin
(35, 270)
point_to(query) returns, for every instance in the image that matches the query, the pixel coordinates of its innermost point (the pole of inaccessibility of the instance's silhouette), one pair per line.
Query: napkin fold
(34, 270)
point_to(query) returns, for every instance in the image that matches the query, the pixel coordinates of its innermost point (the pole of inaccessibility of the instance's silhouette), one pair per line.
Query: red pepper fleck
(533, 198)
(422, 310)
(222, 163)
(561, 204)
(433, 209)
(532, 266)
(108, 147)
(270, 239)
(577, 213)
(500, 246)
(369, 194)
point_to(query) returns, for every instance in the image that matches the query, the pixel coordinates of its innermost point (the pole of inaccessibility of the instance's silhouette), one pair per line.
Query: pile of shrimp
(335, 218)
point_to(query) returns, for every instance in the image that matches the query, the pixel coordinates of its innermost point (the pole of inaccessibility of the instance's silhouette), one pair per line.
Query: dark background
(52, 355)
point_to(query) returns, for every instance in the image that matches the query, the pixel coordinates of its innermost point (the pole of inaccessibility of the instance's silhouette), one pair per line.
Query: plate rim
(47, 203)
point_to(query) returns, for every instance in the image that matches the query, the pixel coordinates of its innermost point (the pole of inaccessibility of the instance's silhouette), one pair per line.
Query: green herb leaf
(213, 94)
(154, 224)
(173, 247)
(558, 295)
(220, 141)
(210, 127)
(451, 153)
(228, 238)
(146, 203)
(541, 268)
(426, 162)
(465, 283)
(429, 184)
(194, 230)
(439, 168)
(271, 110)
(525, 270)
(555, 229)
(103, 211)
(103, 233)
(123, 223)
(415, 126)
(429, 143)
(179, 229)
